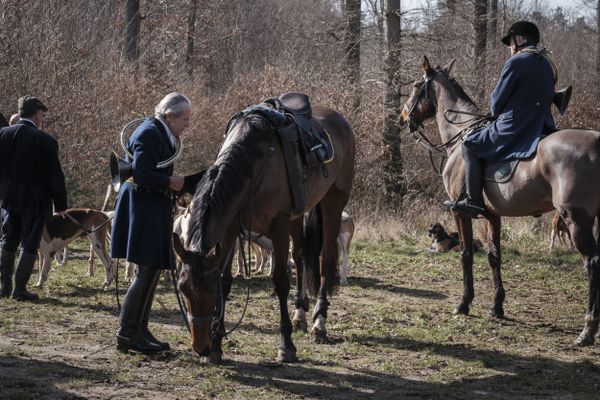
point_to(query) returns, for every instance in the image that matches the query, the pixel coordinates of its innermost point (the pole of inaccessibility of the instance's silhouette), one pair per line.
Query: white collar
(169, 133)
(28, 120)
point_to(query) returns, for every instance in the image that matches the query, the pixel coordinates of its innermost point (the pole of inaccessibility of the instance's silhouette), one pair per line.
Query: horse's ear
(448, 67)
(427, 67)
(216, 250)
(179, 249)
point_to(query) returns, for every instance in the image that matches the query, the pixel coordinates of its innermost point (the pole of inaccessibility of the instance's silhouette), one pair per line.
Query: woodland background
(99, 63)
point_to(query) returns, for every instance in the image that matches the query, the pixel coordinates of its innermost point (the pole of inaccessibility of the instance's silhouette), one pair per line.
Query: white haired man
(143, 220)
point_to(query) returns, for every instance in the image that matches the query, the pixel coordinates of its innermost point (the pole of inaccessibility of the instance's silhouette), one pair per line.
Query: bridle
(421, 138)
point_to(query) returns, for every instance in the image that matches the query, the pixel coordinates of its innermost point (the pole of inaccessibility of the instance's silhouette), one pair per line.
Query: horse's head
(199, 284)
(422, 103)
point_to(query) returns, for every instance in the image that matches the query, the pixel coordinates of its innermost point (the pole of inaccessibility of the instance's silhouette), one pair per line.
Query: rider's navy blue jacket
(143, 222)
(521, 102)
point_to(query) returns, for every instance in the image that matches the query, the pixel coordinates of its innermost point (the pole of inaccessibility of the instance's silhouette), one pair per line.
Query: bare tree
(597, 45)
(352, 42)
(493, 21)
(191, 37)
(479, 46)
(132, 29)
(391, 134)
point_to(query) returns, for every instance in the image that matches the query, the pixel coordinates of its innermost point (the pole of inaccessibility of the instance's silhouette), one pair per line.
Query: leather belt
(166, 192)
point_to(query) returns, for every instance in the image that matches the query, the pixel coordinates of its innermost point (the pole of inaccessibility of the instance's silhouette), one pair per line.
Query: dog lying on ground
(61, 229)
(344, 239)
(560, 230)
(444, 242)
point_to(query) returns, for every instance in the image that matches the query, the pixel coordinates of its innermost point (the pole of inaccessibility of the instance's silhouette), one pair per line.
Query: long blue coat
(143, 222)
(521, 101)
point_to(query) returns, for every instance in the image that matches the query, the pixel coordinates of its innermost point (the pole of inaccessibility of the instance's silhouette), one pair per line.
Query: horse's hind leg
(495, 261)
(465, 231)
(332, 207)
(280, 235)
(581, 226)
(301, 299)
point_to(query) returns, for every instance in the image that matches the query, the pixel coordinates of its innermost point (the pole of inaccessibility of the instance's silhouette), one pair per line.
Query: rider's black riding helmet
(523, 28)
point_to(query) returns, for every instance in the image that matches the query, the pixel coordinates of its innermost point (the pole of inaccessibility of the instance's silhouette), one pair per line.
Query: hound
(444, 242)
(344, 239)
(560, 229)
(61, 229)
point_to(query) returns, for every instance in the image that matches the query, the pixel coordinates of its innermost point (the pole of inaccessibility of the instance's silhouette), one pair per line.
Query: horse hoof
(215, 358)
(461, 309)
(286, 356)
(299, 325)
(584, 340)
(498, 312)
(319, 336)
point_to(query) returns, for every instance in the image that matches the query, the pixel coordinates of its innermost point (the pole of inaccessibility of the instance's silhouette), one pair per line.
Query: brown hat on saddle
(30, 104)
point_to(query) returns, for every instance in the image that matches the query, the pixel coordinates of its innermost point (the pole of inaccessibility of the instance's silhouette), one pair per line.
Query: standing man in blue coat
(31, 182)
(521, 106)
(143, 223)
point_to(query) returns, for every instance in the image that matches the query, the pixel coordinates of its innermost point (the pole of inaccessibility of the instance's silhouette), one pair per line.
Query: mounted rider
(520, 105)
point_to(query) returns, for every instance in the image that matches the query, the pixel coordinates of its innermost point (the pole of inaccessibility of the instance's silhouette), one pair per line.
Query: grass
(392, 332)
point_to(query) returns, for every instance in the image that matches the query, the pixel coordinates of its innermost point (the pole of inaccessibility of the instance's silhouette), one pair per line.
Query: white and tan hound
(344, 240)
(61, 229)
(560, 230)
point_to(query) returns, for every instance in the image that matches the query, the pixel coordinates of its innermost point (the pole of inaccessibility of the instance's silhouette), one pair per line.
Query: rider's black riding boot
(7, 265)
(22, 275)
(146, 315)
(129, 336)
(473, 205)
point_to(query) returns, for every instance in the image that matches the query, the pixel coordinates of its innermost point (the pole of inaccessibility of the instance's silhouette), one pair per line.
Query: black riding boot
(22, 275)
(130, 334)
(7, 265)
(473, 205)
(146, 316)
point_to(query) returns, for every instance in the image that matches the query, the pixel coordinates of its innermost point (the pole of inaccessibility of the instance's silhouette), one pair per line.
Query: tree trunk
(493, 19)
(132, 29)
(479, 47)
(191, 37)
(352, 43)
(391, 135)
(597, 46)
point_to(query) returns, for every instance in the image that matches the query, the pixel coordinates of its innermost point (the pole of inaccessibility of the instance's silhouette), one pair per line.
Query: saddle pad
(500, 172)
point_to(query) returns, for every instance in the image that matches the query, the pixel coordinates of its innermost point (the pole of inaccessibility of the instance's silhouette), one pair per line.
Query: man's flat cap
(29, 104)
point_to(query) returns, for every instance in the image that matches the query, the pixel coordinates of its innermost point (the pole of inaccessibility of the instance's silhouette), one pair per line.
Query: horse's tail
(311, 252)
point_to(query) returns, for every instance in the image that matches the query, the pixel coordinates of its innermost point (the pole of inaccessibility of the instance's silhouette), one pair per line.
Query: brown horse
(563, 175)
(248, 187)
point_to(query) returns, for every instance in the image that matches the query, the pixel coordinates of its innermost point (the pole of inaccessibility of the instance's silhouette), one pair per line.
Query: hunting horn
(121, 169)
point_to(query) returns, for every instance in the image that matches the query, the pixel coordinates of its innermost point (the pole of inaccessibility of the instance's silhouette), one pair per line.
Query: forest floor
(392, 335)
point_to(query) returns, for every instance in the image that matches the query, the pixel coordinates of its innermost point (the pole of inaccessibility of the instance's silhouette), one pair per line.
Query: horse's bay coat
(521, 102)
(143, 221)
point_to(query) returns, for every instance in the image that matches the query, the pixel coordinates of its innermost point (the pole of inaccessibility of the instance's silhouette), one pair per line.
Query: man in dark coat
(143, 224)
(520, 104)
(31, 182)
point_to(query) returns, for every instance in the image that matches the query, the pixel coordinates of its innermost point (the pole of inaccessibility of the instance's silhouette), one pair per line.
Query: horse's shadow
(42, 378)
(517, 376)
(373, 283)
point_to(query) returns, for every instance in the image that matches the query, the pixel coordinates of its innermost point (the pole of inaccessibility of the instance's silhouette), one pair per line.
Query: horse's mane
(223, 183)
(459, 89)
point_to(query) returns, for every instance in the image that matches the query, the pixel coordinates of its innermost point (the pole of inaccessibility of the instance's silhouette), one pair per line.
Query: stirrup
(466, 207)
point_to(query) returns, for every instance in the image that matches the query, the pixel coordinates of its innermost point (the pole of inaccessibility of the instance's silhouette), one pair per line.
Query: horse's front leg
(280, 234)
(301, 299)
(218, 330)
(465, 231)
(495, 261)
